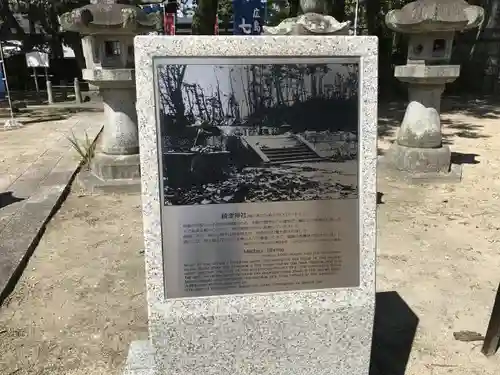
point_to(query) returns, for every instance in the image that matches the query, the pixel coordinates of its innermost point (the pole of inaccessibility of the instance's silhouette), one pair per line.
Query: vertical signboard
(216, 25)
(2, 85)
(169, 17)
(169, 24)
(248, 17)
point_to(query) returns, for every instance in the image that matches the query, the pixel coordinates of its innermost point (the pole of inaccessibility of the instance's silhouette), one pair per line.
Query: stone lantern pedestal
(418, 151)
(116, 159)
(108, 28)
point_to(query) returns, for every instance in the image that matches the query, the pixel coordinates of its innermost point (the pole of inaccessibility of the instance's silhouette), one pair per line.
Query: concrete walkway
(53, 112)
(37, 163)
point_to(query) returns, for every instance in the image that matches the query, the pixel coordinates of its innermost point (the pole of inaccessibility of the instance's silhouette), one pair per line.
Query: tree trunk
(204, 18)
(294, 8)
(338, 10)
(56, 40)
(74, 41)
(373, 17)
(492, 59)
(375, 23)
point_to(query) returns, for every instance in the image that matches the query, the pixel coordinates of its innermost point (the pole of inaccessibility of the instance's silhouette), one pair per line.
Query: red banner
(169, 23)
(216, 26)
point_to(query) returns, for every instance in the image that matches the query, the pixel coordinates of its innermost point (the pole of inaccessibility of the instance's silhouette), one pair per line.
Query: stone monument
(231, 289)
(108, 28)
(312, 21)
(419, 151)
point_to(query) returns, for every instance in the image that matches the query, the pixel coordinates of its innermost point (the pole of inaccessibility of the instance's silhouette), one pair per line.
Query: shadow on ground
(461, 130)
(6, 199)
(486, 107)
(390, 115)
(380, 197)
(59, 110)
(461, 158)
(393, 334)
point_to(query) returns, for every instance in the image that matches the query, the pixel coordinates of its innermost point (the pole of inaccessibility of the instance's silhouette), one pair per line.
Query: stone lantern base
(419, 165)
(112, 173)
(116, 163)
(419, 160)
(418, 153)
(397, 161)
(116, 167)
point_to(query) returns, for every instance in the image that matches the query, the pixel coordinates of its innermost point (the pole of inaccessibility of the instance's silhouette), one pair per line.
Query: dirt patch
(438, 248)
(82, 298)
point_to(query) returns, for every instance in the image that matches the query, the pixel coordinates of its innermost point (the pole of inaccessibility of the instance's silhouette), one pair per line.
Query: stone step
(294, 161)
(295, 153)
(285, 159)
(285, 149)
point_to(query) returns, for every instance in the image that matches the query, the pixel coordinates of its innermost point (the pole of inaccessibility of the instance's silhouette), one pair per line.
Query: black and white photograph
(253, 133)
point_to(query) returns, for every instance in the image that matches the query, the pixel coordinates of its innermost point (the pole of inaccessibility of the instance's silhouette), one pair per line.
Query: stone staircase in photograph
(282, 149)
(296, 154)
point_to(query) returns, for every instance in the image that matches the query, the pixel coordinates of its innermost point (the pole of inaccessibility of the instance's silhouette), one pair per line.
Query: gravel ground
(81, 300)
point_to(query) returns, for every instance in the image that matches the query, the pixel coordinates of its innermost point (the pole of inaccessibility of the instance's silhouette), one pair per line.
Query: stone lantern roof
(424, 16)
(101, 16)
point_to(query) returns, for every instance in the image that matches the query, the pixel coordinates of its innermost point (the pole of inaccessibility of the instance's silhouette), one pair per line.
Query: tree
(204, 17)
(338, 10)
(7, 18)
(44, 16)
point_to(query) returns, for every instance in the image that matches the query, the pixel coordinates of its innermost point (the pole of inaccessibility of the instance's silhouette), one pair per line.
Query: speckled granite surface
(308, 332)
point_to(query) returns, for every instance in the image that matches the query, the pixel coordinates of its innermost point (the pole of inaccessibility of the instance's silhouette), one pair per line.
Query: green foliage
(277, 11)
(43, 16)
(225, 11)
(85, 148)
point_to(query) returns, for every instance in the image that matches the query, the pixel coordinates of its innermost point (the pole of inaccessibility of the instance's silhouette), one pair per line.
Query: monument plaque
(259, 173)
(258, 170)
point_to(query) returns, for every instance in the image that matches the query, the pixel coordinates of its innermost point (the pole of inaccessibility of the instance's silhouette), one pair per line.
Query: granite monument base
(309, 333)
(140, 359)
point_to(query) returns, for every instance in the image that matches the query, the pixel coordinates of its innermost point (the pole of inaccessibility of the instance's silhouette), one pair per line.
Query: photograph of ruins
(258, 132)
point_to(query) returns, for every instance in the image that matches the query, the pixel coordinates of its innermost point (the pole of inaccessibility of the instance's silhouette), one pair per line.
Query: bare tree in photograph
(171, 84)
(257, 132)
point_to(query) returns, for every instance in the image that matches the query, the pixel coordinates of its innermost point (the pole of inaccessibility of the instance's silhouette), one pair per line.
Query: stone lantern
(431, 26)
(108, 28)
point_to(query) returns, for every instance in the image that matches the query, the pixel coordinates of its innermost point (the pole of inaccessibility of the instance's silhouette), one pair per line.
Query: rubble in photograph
(257, 185)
